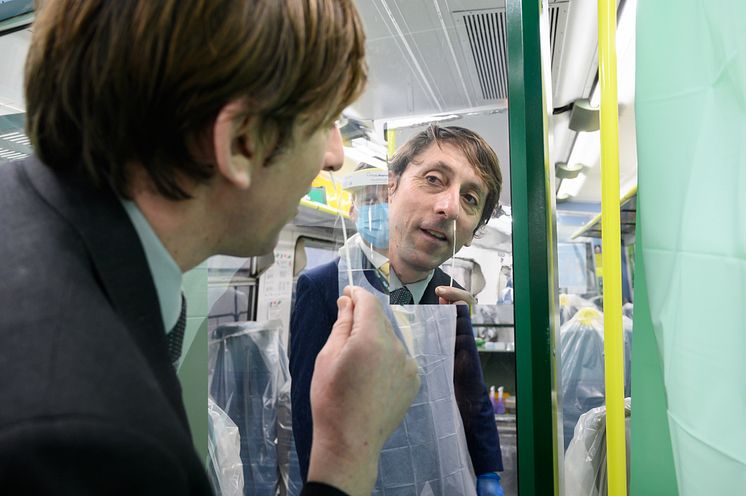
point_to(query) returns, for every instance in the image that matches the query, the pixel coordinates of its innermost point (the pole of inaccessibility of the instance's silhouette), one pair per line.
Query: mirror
(428, 63)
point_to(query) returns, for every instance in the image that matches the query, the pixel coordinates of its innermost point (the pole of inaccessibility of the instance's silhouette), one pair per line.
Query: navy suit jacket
(91, 402)
(313, 316)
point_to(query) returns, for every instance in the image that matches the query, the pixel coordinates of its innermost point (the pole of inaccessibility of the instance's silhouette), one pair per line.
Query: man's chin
(431, 261)
(254, 246)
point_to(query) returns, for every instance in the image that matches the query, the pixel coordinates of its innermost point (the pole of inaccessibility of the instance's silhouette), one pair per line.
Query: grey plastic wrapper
(249, 381)
(224, 448)
(582, 369)
(585, 460)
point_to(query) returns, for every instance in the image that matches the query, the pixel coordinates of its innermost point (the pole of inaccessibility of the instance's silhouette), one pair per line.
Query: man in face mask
(317, 291)
(370, 206)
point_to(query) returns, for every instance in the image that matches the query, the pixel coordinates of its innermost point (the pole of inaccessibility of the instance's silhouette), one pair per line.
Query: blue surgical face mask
(373, 224)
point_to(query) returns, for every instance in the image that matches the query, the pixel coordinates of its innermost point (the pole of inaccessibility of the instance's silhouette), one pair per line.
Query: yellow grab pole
(611, 243)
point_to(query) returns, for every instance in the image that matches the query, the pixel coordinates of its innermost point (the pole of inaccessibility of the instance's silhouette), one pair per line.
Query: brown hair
(110, 82)
(477, 151)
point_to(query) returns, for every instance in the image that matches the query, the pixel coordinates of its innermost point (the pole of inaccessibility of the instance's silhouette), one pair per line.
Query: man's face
(436, 189)
(272, 198)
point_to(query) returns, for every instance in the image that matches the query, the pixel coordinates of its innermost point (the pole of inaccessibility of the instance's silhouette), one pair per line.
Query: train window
(317, 251)
(575, 265)
(15, 37)
(231, 290)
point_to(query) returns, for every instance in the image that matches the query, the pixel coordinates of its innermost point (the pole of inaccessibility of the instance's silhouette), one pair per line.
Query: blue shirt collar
(166, 273)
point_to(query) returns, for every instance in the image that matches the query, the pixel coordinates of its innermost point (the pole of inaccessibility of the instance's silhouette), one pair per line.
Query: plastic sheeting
(585, 460)
(250, 381)
(691, 142)
(427, 454)
(582, 371)
(224, 448)
(570, 304)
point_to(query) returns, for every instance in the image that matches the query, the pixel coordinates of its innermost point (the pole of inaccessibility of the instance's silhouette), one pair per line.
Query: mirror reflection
(419, 215)
(429, 217)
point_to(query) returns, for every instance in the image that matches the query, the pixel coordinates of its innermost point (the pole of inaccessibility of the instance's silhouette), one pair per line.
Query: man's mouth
(435, 234)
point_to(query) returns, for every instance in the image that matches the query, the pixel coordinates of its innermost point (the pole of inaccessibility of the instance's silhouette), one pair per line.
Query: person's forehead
(448, 158)
(370, 191)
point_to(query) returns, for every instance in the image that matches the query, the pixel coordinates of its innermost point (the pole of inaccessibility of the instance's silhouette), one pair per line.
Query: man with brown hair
(166, 132)
(444, 185)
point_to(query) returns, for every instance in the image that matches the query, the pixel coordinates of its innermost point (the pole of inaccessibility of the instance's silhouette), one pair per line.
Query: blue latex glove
(489, 485)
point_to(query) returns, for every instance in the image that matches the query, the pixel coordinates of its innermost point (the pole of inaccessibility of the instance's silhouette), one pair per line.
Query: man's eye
(471, 200)
(432, 179)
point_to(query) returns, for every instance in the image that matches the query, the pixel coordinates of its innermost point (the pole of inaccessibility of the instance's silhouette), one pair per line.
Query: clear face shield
(371, 207)
(368, 212)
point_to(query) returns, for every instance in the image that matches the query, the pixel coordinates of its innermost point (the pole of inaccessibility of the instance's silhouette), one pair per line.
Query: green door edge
(534, 255)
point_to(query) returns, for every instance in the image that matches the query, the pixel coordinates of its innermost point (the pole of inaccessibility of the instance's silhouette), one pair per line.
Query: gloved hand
(489, 485)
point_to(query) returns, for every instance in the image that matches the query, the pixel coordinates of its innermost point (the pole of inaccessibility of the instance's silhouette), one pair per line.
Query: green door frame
(534, 255)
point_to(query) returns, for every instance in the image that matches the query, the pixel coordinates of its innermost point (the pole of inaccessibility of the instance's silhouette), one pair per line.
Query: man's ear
(234, 154)
(353, 212)
(392, 183)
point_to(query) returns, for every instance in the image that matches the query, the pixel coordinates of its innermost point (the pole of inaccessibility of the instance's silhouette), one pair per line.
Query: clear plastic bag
(251, 382)
(582, 369)
(427, 454)
(224, 448)
(569, 306)
(585, 460)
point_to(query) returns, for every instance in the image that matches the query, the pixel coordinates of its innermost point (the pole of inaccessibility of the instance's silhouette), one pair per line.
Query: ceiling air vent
(484, 33)
(557, 26)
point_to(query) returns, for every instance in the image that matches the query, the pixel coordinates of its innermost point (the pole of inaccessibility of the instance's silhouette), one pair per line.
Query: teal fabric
(652, 472)
(166, 273)
(691, 137)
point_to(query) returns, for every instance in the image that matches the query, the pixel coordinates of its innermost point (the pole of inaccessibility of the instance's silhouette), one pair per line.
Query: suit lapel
(118, 260)
(440, 278)
(373, 275)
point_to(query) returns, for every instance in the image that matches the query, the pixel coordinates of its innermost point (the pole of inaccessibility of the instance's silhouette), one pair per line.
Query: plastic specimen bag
(691, 145)
(427, 454)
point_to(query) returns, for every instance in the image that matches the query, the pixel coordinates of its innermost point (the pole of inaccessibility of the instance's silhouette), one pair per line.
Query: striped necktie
(401, 296)
(176, 335)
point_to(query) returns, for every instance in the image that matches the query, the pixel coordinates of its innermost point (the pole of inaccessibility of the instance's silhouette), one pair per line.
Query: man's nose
(447, 203)
(334, 156)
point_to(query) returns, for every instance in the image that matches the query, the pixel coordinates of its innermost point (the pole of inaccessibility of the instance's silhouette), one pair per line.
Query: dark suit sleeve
(310, 325)
(472, 399)
(319, 489)
(74, 455)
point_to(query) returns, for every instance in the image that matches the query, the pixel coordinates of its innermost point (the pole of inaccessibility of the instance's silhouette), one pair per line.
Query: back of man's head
(140, 81)
(477, 151)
